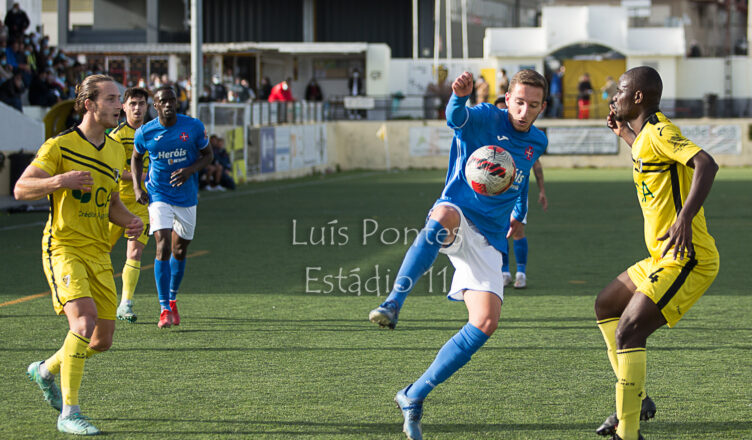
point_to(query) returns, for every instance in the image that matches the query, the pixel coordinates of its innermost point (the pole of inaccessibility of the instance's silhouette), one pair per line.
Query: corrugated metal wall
(253, 20)
(384, 21)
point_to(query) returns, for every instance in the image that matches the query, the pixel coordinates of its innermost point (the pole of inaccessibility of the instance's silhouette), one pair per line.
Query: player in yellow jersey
(673, 177)
(134, 106)
(79, 171)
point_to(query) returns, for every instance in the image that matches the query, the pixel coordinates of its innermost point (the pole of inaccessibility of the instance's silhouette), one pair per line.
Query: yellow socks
(75, 353)
(53, 363)
(608, 328)
(629, 391)
(131, 271)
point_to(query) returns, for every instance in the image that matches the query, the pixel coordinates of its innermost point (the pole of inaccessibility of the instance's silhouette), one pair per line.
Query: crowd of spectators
(29, 64)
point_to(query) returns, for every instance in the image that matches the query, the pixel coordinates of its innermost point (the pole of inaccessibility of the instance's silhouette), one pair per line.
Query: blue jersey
(476, 127)
(171, 148)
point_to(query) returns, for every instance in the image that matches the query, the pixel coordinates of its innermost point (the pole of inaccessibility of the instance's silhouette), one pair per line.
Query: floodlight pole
(464, 30)
(436, 36)
(448, 30)
(415, 30)
(197, 82)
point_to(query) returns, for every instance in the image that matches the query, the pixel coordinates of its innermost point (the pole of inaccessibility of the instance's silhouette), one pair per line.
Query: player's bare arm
(121, 216)
(538, 171)
(36, 183)
(179, 177)
(515, 227)
(620, 128)
(679, 235)
(137, 170)
(463, 85)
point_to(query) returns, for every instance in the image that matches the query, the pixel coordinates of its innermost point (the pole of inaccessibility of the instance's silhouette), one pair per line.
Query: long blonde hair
(89, 89)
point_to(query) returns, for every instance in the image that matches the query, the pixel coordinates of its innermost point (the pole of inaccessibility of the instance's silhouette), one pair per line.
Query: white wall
(699, 76)
(666, 67)
(411, 77)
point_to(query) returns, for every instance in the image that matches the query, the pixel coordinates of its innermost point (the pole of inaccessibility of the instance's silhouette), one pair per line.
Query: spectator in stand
(6, 71)
(481, 90)
(355, 87)
(556, 90)
(313, 91)
(40, 91)
(503, 82)
(17, 22)
(265, 89)
(206, 95)
(12, 90)
(218, 90)
(219, 172)
(584, 90)
(281, 92)
(240, 90)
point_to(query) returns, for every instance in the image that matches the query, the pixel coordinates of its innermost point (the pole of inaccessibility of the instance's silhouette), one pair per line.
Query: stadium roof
(185, 48)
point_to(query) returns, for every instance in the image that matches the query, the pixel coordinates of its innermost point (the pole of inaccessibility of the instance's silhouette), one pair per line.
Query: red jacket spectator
(281, 92)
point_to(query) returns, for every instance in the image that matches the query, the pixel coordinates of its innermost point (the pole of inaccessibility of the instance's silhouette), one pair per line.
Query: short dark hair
(164, 89)
(135, 92)
(530, 77)
(499, 100)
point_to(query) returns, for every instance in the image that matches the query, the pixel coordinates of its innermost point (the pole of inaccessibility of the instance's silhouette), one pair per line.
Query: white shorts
(180, 219)
(477, 264)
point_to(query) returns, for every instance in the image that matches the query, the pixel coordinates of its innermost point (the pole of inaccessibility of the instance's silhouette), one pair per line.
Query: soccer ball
(490, 170)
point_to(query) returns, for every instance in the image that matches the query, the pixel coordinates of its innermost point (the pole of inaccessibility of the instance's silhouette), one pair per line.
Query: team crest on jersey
(184, 137)
(529, 152)
(66, 280)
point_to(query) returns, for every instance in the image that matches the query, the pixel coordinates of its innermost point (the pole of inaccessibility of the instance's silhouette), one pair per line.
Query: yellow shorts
(673, 285)
(142, 211)
(72, 275)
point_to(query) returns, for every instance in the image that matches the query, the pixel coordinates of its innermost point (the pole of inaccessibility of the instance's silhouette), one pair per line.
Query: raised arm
(456, 112)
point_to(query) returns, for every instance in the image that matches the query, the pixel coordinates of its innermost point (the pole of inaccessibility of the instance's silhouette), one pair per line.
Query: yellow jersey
(660, 154)
(80, 219)
(124, 134)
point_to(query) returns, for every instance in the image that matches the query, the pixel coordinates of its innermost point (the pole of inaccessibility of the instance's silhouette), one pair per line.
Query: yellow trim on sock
(72, 369)
(629, 391)
(91, 352)
(608, 330)
(131, 272)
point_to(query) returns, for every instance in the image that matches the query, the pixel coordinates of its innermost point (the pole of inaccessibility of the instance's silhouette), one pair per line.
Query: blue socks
(177, 269)
(520, 253)
(418, 260)
(162, 277)
(505, 261)
(452, 356)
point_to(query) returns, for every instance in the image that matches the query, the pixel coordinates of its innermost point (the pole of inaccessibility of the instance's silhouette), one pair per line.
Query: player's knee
(486, 324)
(101, 345)
(519, 235)
(447, 216)
(628, 334)
(84, 325)
(179, 252)
(134, 254)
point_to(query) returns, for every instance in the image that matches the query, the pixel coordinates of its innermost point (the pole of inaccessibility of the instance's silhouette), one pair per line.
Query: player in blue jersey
(472, 229)
(178, 148)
